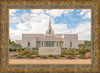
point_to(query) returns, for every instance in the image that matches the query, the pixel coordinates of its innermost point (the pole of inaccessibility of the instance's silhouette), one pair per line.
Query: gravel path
(54, 61)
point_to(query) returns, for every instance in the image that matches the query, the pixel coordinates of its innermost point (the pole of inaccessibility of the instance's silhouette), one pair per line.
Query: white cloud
(23, 26)
(83, 30)
(37, 11)
(15, 19)
(59, 28)
(37, 22)
(15, 34)
(59, 12)
(12, 12)
(86, 13)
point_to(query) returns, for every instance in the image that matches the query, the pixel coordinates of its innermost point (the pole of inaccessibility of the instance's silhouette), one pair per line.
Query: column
(40, 43)
(43, 43)
(58, 43)
(55, 43)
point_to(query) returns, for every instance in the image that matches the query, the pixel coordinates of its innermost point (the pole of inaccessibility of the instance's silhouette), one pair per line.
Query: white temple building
(50, 39)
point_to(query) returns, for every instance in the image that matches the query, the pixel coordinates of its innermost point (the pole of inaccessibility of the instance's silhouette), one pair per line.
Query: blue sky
(63, 21)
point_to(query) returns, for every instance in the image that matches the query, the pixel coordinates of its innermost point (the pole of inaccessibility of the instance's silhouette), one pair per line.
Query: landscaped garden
(70, 53)
(17, 52)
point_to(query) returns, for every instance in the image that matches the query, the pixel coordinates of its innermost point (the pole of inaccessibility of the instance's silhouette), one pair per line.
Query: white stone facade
(39, 40)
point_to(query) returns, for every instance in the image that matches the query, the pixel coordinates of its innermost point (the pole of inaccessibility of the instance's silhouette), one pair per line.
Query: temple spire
(49, 28)
(50, 31)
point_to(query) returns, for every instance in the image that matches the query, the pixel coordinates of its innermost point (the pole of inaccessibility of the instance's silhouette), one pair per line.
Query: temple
(49, 39)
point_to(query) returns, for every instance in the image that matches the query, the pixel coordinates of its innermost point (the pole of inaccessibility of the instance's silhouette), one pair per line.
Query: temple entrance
(49, 44)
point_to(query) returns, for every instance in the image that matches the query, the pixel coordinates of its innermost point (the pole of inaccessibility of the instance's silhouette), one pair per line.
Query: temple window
(49, 31)
(28, 44)
(70, 44)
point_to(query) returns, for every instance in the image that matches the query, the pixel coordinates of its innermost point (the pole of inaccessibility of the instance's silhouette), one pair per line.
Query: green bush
(35, 52)
(63, 52)
(88, 50)
(70, 57)
(18, 50)
(19, 56)
(14, 55)
(29, 56)
(50, 55)
(26, 52)
(10, 49)
(89, 57)
(21, 53)
(55, 57)
(77, 49)
(13, 49)
(82, 51)
(30, 53)
(73, 55)
(68, 53)
(61, 55)
(35, 48)
(43, 57)
(38, 56)
(23, 49)
(81, 56)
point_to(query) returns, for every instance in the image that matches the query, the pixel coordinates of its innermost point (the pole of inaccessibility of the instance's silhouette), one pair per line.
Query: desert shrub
(70, 57)
(61, 55)
(82, 51)
(43, 57)
(21, 53)
(77, 53)
(19, 56)
(73, 53)
(89, 57)
(63, 52)
(88, 50)
(50, 55)
(10, 49)
(25, 52)
(68, 53)
(18, 50)
(55, 57)
(29, 56)
(38, 56)
(34, 48)
(28, 52)
(36, 53)
(76, 49)
(63, 49)
(31, 53)
(23, 49)
(82, 56)
(14, 55)
(14, 49)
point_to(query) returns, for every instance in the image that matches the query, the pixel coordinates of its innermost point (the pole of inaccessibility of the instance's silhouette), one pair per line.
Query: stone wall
(49, 51)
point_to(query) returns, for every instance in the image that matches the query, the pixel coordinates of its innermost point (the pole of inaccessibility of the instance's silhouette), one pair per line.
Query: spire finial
(49, 21)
